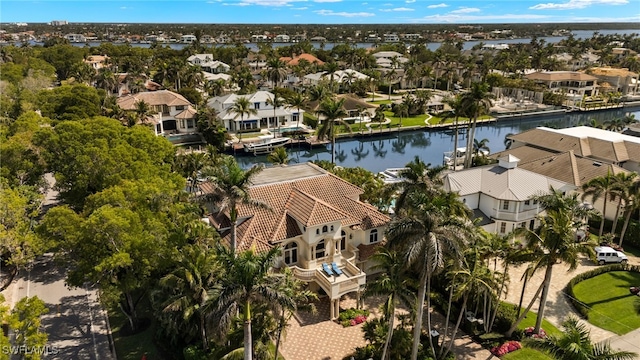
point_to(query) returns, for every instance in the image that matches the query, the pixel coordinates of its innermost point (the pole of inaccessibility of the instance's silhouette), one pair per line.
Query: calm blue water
(578, 34)
(395, 150)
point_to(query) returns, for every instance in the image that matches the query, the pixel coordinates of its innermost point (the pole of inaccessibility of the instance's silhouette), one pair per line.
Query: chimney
(508, 162)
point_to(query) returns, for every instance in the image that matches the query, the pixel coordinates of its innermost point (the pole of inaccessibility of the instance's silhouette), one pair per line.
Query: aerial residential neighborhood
(391, 191)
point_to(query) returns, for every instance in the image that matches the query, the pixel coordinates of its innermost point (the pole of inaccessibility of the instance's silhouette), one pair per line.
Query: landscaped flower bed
(352, 317)
(509, 346)
(528, 332)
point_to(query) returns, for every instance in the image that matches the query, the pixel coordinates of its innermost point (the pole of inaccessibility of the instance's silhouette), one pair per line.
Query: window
(505, 205)
(535, 202)
(331, 227)
(256, 106)
(527, 202)
(319, 250)
(317, 231)
(325, 229)
(373, 236)
(291, 253)
(343, 240)
(523, 224)
(503, 227)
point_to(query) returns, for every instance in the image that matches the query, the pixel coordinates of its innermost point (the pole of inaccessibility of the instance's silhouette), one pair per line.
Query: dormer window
(373, 236)
(256, 106)
(325, 229)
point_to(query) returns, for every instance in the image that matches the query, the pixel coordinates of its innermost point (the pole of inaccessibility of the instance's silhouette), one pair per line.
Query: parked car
(605, 254)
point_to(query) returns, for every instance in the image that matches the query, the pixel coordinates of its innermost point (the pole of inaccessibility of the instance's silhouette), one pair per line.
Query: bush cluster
(352, 317)
(528, 332)
(509, 346)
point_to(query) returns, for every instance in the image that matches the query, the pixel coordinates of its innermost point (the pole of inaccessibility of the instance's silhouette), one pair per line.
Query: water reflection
(395, 150)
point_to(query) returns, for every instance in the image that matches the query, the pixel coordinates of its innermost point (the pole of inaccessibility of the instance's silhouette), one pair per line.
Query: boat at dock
(392, 175)
(452, 160)
(265, 144)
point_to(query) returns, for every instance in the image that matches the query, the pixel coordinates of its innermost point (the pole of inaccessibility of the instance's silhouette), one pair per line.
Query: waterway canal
(395, 150)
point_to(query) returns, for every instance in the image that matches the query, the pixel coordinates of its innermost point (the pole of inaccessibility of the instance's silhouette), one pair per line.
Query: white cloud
(464, 18)
(576, 4)
(410, 1)
(465, 10)
(327, 1)
(262, 2)
(343, 13)
(397, 9)
(124, 8)
(365, 3)
(435, 6)
(300, 8)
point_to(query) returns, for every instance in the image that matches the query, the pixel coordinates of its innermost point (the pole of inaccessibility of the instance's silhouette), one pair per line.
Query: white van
(605, 254)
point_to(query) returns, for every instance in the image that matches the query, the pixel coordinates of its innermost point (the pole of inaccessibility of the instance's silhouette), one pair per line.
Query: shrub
(509, 346)
(490, 340)
(352, 317)
(505, 317)
(528, 332)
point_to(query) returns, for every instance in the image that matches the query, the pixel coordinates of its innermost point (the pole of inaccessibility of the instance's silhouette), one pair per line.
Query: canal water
(377, 153)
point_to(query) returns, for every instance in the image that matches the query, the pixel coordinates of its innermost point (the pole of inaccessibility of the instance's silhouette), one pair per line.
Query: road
(76, 323)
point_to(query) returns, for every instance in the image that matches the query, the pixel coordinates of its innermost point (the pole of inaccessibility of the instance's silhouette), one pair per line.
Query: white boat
(392, 175)
(266, 144)
(458, 159)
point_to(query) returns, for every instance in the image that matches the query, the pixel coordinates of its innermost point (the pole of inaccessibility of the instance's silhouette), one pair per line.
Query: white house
(172, 112)
(391, 38)
(75, 38)
(317, 219)
(500, 195)
(338, 77)
(208, 64)
(188, 39)
(282, 38)
(265, 117)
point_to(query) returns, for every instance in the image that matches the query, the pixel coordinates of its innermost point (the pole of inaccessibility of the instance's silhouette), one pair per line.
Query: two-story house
(500, 194)
(171, 111)
(317, 219)
(208, 64)
(619, 79)
(570, 82)
(265, 117)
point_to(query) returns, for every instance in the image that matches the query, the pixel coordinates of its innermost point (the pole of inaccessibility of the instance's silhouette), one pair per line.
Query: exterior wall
(488, 205)
(471, 200)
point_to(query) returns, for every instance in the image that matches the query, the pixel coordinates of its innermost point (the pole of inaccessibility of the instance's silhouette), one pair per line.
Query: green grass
(134, 346)
(526, 354)
(632, 250)
(613, 308)
(530, 320)
(378, 102)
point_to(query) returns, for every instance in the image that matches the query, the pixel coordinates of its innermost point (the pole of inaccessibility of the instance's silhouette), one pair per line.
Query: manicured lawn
(530, 320)
(613, 308)
(377, 102)
(631, 250)
(526, 354)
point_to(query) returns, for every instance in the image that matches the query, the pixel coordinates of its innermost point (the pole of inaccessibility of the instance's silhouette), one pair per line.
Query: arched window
(317, 231)
(319, 250)
(373, 236)
(291, 253)
(343, 240)
(325, 229)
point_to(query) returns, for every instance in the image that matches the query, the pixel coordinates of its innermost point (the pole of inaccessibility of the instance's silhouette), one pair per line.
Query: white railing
(352, 268)
(304, 274)
(515, 216)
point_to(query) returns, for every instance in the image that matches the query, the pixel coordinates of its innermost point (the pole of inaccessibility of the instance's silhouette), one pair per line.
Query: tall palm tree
(631, 206)
(249, 281)
(142, 112)
(623, 182)
(331, 68)
(428, 233)
(417, 177)
(296, 100)
(241, 107)
(395, 284)
(480, 147)
(477, 102)
(231, 189)
(333, 112)
(597, 188)
(553, 241)
(575, 344)
(184, 293)
(457, 109)
(279, 156)
(276, 71)
(276, 101)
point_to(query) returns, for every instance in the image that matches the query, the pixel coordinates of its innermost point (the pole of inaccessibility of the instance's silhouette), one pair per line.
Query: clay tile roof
(188, 113)
(366, 250)
(161, 97)
(560, 76)
(310, 58)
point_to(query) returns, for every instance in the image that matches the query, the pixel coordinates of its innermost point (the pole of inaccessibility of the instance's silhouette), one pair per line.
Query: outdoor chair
(327, 269)
(336, 269)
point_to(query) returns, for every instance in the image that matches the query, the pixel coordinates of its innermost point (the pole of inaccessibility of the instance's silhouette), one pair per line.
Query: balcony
(352, 278)
(514, 216)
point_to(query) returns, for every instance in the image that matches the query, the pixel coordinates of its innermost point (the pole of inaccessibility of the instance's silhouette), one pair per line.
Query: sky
(322, 11)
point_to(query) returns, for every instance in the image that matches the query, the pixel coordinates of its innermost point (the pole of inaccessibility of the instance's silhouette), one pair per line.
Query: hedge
(580, 307)
(631, 237)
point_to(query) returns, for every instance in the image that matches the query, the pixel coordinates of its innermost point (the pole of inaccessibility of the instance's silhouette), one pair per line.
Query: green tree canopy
(70, 102)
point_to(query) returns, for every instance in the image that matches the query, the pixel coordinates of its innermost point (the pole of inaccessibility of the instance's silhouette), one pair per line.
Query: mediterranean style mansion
(327, 234)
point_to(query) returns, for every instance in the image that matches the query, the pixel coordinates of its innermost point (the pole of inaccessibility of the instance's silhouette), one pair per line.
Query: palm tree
(623, 182)
(276, 71)
(106, 80)
(279, 156)
(395, 284)
(241, 107)
(379, 116)
(184, 293)
(296, 100)
(142, 112)
(276, 102)
(333, 111)
(477, 101)
(418, 177)
(575, 344)
(231, 189)
(249, 281)
(632, 205)
(553, 242)
(331, 68)
(480, 147)
(191, 165)
(597, 188)
(457, 108)
(428, 232)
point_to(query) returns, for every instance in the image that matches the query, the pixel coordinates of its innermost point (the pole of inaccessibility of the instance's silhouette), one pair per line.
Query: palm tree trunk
(615, 220)
(624, 227)
(433, 349)
(524, 287)
(455, 330)
(417, 325)
(502, 284)
(392, 316)
(446, 322)
(455, 144)
(248, 351)
(604, 213)
(333, 144)
(543, 298)
(470, 137)
(514, 326)
(203, 333)
(281, 326)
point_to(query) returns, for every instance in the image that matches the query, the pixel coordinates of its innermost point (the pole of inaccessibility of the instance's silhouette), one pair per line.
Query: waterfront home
(500, 194)
(75, 38)
(618, 80)
(573, 83)
(282, 38)
(208, 64)
(391, 38)
(596, 144)
(188, 39)
(96, 61)
(295, 60)
(318, 221)
(577, 62)
(265, 117)
(338, 77)
(385, 59)
(172, 113)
